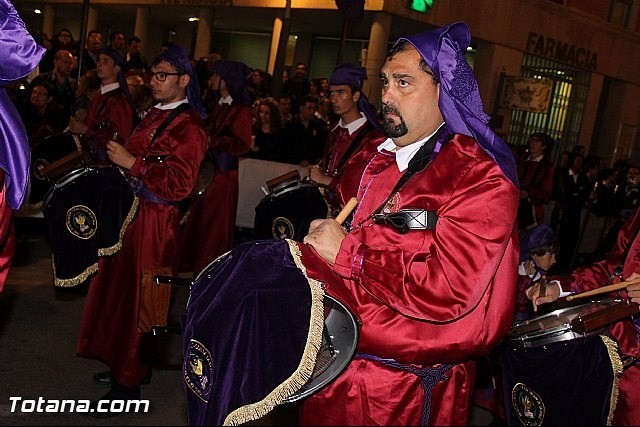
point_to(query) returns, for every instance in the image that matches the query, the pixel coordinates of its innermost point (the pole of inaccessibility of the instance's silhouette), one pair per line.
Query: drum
(288, 210)
(86, 214)
(560, 368)
(48, 151)
(258, 333)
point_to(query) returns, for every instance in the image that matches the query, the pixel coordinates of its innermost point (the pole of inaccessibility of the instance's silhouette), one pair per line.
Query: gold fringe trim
(303, 373)
(130, 217)
(616, 364)
(84, 275)
(74, 281)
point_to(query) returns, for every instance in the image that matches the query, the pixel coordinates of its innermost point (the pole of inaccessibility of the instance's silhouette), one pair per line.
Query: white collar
(522, 272)
(172, 105)
(226, 100)
(406, 153)
(353, 126)
(536, 159)
(108, 88)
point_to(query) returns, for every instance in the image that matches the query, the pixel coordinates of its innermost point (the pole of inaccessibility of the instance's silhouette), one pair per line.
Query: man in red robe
(162, 158)
(210, 224)
(622, 263)
(430, 262)
(357, 127)
(111, 111)
(428, 268)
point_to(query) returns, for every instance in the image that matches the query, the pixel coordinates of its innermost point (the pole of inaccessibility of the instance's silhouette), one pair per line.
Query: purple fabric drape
(20, 55)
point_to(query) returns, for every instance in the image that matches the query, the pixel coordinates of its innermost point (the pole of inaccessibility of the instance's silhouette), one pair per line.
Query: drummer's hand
(316, 174)
(633, 291)
(551, 294)
(119, 155)
(76, 126)
(325, 236)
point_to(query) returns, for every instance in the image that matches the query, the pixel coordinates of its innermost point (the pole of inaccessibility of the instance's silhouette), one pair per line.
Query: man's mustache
(390, 109)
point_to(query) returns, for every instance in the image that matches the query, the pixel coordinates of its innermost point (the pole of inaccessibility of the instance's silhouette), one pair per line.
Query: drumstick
(344, 213)
(604, 289)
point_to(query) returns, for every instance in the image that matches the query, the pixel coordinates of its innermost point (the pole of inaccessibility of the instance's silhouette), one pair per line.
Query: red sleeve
(182, 146)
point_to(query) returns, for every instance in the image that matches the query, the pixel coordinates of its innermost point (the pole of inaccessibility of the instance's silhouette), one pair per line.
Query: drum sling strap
(355, 143)
(138, 186)
(412, 219)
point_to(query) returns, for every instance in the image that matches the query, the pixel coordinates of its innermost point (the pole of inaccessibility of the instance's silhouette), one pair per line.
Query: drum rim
(558, 333)
(342, 360)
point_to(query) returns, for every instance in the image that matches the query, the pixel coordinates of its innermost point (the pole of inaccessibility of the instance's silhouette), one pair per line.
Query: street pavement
(38, 333)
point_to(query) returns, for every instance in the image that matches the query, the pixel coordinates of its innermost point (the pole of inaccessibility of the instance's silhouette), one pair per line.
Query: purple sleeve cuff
(350, 258)
(138, 167)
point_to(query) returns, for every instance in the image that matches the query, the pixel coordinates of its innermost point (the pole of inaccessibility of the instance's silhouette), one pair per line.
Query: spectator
(134, 59)
(305, 135)
(60, 77)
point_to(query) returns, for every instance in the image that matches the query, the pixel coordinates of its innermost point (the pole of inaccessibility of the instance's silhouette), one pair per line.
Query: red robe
(624, 332)
(209, 229)
(109, 113)
(537, 179)
(441, 296)
(7, 233)
(338, 144)
(108, 330)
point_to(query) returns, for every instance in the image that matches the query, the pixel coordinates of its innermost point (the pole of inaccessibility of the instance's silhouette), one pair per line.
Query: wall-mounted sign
(526, 94)
(558, 50)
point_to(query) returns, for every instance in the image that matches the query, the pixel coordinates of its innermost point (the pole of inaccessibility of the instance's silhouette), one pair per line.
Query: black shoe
(105, 378)
(102, 408)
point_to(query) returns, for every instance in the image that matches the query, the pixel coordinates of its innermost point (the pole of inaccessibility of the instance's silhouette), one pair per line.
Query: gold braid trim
(130, 216)
(84, 275)
(303, 373)
(74, 281)
(616, 364)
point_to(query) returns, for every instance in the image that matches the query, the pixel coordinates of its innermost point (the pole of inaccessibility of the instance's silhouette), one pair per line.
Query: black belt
(408, 219)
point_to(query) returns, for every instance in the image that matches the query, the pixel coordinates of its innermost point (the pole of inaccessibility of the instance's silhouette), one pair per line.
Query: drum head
(554, 326)
(339, 344)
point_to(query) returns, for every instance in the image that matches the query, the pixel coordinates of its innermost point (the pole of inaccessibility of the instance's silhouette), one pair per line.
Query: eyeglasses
(162, 76)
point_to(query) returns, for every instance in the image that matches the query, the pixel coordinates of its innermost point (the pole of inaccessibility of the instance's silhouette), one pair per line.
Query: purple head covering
(176, 55)
(119, 60)
(354, 76)
(234, 75)
(540, 235)
(20, 55)
(443, 50)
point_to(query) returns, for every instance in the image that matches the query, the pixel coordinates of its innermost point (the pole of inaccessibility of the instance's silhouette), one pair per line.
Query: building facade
(567, 67)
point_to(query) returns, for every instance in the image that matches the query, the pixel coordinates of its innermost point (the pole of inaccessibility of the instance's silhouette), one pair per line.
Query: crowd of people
(434, 183)
(577, 191)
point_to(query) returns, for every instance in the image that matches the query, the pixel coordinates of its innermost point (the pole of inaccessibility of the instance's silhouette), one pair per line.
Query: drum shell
(288, 214)
(556, 371)
(563, 383)
(46, 152)
(85, 214)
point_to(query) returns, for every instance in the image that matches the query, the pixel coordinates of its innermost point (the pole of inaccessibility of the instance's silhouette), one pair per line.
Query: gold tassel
(303, 373)
(616, 364)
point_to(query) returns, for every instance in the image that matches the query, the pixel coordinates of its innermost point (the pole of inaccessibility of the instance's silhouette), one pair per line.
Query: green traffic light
(421, 6)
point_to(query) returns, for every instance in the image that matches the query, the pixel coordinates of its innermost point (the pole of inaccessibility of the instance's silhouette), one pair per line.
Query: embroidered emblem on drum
(282, 228)
(392, 204)
(528, 405)
(81, 222)
(37, 166)
(197, 370)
